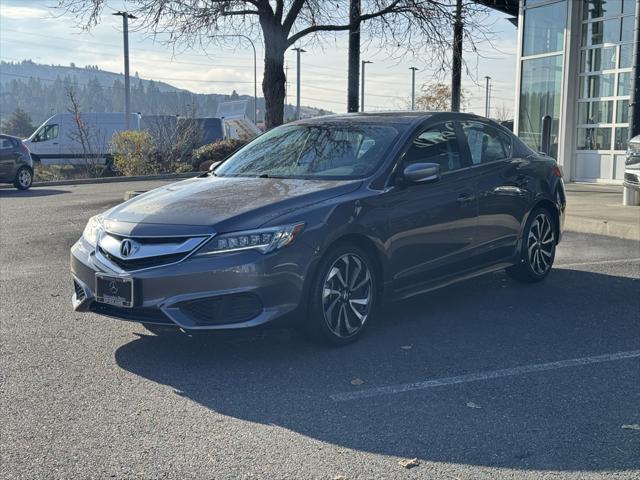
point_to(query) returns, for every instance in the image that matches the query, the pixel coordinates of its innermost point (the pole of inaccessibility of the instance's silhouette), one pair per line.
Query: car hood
(210, 201)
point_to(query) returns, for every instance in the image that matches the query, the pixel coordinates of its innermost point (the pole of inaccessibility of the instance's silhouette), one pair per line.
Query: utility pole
(127, 93)
(487, 97)
(413, 87)
(298, 51)
(456, 67)
(354, 56)
(363, 63)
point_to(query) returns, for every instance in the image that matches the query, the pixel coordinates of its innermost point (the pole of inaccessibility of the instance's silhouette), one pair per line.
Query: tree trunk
(274, 80)
(354, 57)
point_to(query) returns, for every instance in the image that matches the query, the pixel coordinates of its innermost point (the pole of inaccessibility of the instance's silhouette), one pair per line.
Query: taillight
(24, 148)
(556, 170)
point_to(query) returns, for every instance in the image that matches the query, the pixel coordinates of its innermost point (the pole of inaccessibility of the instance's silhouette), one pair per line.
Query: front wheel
(343, 295)
(538, 248)
(24, 178)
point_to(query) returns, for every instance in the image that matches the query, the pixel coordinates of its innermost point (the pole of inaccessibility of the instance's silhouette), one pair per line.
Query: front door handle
(464, 198)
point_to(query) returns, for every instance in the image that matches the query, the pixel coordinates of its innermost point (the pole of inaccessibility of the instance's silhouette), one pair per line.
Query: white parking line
(475, 377)
(601, 262)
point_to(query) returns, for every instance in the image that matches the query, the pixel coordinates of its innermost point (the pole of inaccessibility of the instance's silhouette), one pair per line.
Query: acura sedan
(322, 220)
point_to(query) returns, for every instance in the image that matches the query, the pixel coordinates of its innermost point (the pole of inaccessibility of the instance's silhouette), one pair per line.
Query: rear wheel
(24, 178)
(538, 248)
(343, 295)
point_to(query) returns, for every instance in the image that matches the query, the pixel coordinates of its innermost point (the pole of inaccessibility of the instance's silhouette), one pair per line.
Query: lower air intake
(233, 308)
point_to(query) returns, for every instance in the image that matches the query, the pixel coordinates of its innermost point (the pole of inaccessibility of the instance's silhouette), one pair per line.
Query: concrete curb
(602, 227)
(89, 181)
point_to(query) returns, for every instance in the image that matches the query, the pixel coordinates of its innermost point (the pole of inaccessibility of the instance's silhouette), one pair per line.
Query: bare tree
(503, 113)
(87, 138)
(421, 28)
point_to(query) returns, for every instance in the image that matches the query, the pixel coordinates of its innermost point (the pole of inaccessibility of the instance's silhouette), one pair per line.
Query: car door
(431, 225)
(46, 144)
(502, 188)
(8, 159)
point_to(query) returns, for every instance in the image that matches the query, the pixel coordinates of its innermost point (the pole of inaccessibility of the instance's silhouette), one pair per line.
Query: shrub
(134, 153)
(204, 156)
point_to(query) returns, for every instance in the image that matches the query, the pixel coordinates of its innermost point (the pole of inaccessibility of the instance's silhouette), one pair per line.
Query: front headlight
(264, 240)
(94, 225)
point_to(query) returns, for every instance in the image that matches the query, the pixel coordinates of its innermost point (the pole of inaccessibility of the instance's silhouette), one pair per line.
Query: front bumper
(227, 291)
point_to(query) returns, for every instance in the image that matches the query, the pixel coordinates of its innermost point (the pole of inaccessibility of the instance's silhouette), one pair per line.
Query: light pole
(413, 87)
(487, 96)
(127, 96)
(298, 52)
(255, 71)
(363, 63)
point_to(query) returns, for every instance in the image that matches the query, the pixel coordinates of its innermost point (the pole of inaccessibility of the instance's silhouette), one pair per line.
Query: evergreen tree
(18, 124)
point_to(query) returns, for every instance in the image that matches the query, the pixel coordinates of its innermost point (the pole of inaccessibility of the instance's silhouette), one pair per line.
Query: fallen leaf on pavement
(340, 477)
(633, 426)
(473, 405)
(409, 463)
(357, 381)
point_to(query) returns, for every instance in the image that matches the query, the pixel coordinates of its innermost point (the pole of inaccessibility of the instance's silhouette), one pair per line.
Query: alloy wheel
(24, 178)
(540, 244)
(347, 295)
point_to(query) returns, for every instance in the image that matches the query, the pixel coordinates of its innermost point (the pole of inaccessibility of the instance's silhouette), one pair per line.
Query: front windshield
(338, 150)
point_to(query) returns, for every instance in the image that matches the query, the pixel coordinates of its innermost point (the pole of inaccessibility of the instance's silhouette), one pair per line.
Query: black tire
(24, 178)
(539, 242)
(340, 310)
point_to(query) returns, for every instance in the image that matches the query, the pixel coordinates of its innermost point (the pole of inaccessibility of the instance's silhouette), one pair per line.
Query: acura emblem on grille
(126, 248)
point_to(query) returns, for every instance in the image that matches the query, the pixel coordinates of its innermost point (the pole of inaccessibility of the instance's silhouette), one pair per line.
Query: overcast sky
(33, 29)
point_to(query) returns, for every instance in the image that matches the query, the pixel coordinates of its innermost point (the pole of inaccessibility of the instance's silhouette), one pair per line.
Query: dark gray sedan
(16, 165)
(324, 219)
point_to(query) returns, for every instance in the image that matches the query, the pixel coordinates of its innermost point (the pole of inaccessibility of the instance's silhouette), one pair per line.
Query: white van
(61, 141)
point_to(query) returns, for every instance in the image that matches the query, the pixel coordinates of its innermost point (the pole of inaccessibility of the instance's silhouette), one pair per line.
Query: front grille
(141, 314)
(80, 294)
(137, 264)
(234, 308)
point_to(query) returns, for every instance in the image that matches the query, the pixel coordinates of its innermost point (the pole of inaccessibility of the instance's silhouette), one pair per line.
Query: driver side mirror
(421, 172)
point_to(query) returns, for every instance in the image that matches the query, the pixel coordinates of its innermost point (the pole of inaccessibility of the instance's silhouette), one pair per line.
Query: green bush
(203, 157)
(134, 153)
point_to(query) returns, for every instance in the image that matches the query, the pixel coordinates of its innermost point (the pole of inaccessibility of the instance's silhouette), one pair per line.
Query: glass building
(575, 65)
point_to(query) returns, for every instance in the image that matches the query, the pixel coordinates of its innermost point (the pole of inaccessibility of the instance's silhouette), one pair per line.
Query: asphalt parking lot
(484, 379)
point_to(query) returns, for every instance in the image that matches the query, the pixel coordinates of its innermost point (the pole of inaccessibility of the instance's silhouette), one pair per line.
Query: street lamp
(413, 87)
(125, 31)
(363, 63)
(298, 51)
(255, 70)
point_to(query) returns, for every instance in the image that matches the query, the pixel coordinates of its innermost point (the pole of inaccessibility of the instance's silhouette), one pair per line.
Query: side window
(50, 132)
(486, 144)
(5, 144)
(437, 144)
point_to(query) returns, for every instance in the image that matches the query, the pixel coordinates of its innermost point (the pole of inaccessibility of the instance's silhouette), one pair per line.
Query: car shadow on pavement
(33, 192)
(562, 420)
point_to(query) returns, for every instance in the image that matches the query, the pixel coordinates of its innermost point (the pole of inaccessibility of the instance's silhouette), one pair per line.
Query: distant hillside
(42, 90)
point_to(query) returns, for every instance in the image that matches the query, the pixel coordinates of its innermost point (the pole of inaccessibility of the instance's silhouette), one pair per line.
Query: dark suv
(16, 165)
(324, 219)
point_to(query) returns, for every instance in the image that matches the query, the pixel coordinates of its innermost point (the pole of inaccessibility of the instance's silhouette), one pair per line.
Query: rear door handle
(464, 198)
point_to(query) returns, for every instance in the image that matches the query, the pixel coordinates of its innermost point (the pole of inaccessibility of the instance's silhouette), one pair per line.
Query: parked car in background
(632, 164)
(16, 165)
(65, 140)
(325, 218)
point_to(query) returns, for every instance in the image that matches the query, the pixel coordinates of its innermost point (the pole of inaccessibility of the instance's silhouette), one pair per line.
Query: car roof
(395, 117)
(10, 136)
